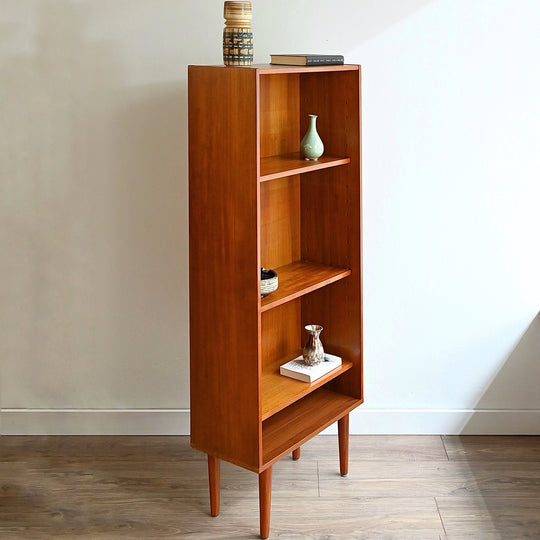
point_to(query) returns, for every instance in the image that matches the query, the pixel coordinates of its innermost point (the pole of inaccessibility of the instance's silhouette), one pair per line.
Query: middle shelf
(299, 278)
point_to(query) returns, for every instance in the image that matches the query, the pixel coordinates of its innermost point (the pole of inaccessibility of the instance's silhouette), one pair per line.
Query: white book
(298, 370)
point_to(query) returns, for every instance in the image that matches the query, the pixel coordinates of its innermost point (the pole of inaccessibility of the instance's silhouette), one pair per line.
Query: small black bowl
(269, 281)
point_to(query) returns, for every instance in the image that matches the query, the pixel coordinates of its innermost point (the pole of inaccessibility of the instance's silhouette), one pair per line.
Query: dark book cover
(307, 59)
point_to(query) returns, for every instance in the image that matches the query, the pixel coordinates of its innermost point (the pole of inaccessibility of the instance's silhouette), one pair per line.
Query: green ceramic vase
(311, 146)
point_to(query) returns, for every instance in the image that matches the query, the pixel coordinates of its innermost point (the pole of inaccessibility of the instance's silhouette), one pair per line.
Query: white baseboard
(94, 422)
(363, 421)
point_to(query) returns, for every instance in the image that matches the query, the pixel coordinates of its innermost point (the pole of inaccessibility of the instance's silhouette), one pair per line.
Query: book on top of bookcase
(307, 59)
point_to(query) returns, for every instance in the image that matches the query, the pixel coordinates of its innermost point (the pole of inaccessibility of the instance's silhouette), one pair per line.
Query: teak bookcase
(254, 202)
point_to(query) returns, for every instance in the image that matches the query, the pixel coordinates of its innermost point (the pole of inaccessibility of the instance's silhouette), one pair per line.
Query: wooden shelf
(299, 278)
(273, 69)
(277, 69)
(293, 426)
(279, 391)
(273, 167)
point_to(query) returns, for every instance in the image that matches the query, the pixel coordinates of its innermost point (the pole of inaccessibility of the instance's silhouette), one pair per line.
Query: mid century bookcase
(254, 202)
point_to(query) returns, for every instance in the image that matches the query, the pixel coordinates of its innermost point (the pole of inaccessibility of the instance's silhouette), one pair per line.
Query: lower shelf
(295, 425)
(279, 391)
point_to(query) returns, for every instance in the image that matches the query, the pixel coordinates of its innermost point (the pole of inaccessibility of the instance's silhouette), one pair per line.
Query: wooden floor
(399, 487)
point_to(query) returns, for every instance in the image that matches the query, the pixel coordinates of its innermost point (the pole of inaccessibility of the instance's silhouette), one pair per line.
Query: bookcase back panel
(334, 239)
(281, 331)
(337, 309)
(333, 193)
(280, 221)
(334, 97)
(279, 119)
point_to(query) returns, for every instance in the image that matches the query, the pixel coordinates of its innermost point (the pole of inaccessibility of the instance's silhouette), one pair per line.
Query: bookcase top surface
(264, 69)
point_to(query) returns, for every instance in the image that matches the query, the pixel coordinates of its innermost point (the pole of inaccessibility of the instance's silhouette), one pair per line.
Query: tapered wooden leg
(343, 436)
(265, 494)
(296, 454)
(213, 480)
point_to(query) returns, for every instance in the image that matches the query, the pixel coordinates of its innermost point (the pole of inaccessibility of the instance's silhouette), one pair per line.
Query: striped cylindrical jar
(237, 34)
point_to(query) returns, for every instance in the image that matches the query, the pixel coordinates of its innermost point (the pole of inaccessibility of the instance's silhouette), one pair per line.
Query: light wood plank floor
(399, 487)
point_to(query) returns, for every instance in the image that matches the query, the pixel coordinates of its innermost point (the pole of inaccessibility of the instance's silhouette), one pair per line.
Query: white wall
(93, 195)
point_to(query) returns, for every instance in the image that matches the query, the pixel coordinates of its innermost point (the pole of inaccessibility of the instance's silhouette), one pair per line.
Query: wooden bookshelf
(254, 202)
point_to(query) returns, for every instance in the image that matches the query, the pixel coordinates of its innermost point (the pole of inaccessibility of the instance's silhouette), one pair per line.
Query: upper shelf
(289, 164)
(272, 69)
(299, 278)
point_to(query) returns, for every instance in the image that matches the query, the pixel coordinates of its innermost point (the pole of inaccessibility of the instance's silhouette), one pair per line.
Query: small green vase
(311, 146)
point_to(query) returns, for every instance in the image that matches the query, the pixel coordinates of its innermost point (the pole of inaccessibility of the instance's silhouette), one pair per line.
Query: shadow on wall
(500, 500)
(94, 232)
(514, 394)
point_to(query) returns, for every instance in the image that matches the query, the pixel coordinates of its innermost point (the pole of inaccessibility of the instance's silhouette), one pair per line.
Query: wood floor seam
(318, 481)
(444, 447)
(440, 517)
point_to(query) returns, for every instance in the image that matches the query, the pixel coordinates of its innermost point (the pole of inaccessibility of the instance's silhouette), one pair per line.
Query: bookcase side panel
(224, 295)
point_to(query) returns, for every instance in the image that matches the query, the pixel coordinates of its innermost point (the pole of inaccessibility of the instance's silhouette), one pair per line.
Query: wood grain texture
(224, 296)
(280, 223)
(492, 448)
(80, 448)
(154, 487)
(343, 443)
(213, 484)
(436, 479)
(300, 278)
(490, 517)
(280, 166)
(293, 426)
(281, 333)
(278, 391)
(265, 498)
(279, 121)
(379, 448)
(269, 69)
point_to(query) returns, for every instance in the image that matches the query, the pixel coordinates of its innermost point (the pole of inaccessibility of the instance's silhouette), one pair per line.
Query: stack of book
(307, 59)
(297, 369)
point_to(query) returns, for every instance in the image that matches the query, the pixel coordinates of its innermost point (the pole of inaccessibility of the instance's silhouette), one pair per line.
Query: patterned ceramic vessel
(237, 34)
(313, 352)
